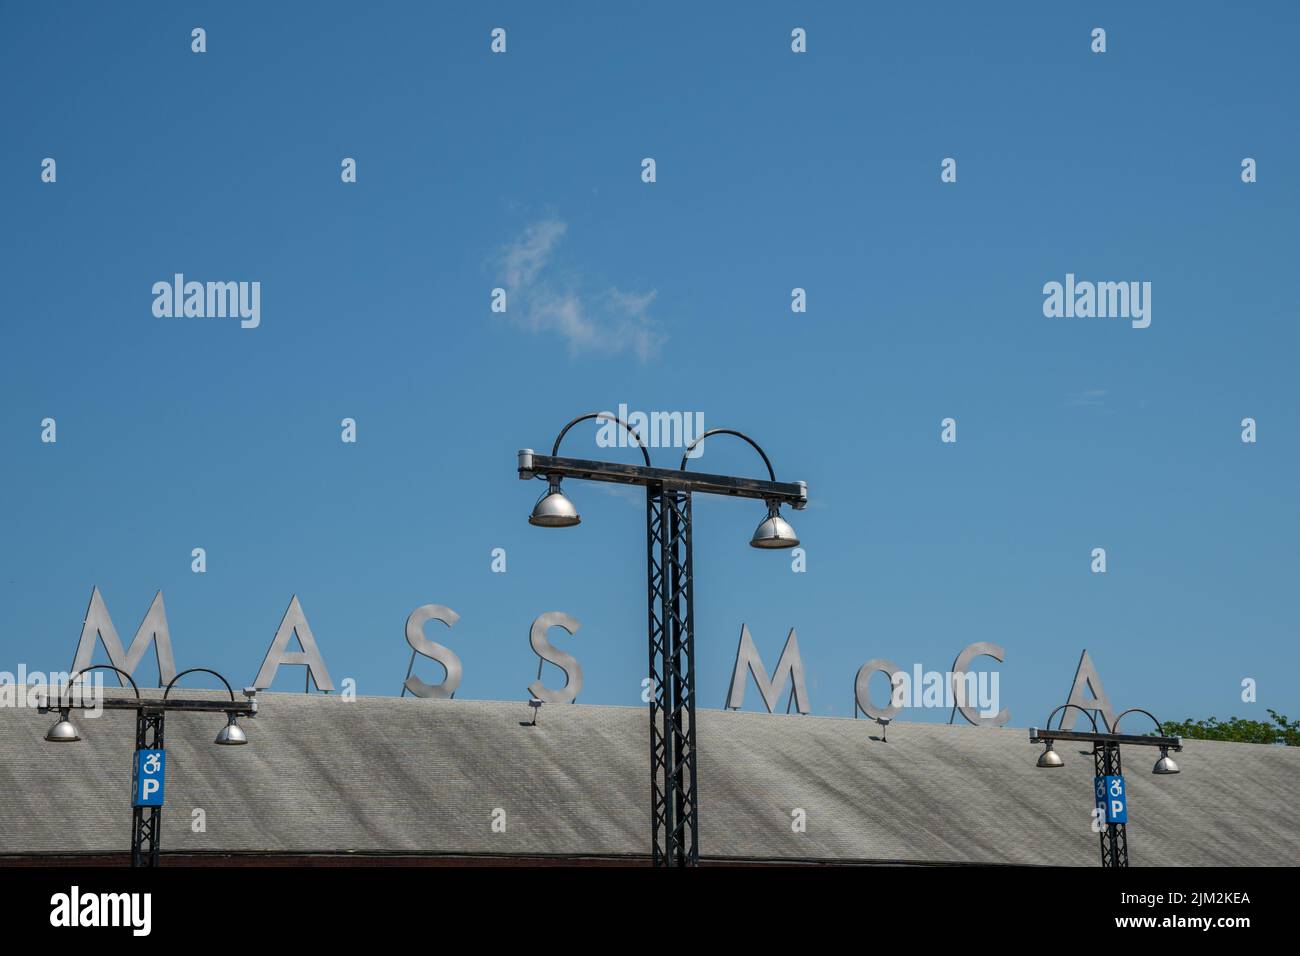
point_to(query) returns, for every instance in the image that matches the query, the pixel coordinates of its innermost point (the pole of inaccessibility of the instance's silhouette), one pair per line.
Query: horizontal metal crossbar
(246, 707)
(1038, 736)
(785, 492)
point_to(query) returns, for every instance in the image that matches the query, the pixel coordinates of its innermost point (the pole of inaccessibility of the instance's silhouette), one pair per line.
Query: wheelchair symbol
(152, 764)
(1117, 787)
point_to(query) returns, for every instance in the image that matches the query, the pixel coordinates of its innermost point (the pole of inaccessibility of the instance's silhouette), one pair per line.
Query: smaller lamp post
(149, 717)
(1109, 789)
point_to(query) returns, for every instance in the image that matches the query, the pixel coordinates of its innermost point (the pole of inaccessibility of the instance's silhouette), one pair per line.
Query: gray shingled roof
(400, 775)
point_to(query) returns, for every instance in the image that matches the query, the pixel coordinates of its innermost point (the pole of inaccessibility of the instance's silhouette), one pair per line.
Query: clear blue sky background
(774, 171)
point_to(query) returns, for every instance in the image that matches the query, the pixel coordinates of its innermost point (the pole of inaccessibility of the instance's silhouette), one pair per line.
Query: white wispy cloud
(633, 496)
(543, 297)
(524, 258)
(1089, 396)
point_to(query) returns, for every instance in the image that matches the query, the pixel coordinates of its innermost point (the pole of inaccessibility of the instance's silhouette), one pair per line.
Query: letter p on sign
(148, 778)
(1116, 800)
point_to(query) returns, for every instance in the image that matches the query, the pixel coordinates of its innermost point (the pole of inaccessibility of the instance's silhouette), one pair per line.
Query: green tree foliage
(1280, 731)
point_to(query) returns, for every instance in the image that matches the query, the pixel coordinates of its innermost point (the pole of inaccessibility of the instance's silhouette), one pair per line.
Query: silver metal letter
(1085, 676)
(790, 666)
(443, 655)
(294, 621)
(862, 688)
(152, 628)
(565, 662)
(959, 696)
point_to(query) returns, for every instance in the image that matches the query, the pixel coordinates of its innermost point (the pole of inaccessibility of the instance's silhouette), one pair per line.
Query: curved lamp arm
(729, 431)
(1138, 710)
(1085, 713)
(99, 667)
(205, 670)
(555, 450)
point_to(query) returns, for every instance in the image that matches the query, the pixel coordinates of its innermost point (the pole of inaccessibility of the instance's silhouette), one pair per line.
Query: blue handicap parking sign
(1116, 797)
(147, 778)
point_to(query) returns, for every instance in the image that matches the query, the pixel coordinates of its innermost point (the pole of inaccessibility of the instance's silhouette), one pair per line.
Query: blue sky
(774, 171)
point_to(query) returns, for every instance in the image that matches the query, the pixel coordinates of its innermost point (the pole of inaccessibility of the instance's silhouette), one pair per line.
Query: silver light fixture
(1165, 764)
(231, 735)
(1049, 757)
(774, 531)
(553, 509)
(64, 731)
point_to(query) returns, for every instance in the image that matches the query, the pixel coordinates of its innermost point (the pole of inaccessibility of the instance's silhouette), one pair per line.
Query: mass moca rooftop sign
(973, 695)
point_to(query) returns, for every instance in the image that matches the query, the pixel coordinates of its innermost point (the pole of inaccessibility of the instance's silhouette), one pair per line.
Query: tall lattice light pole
(1109, 790)
(674, 809)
